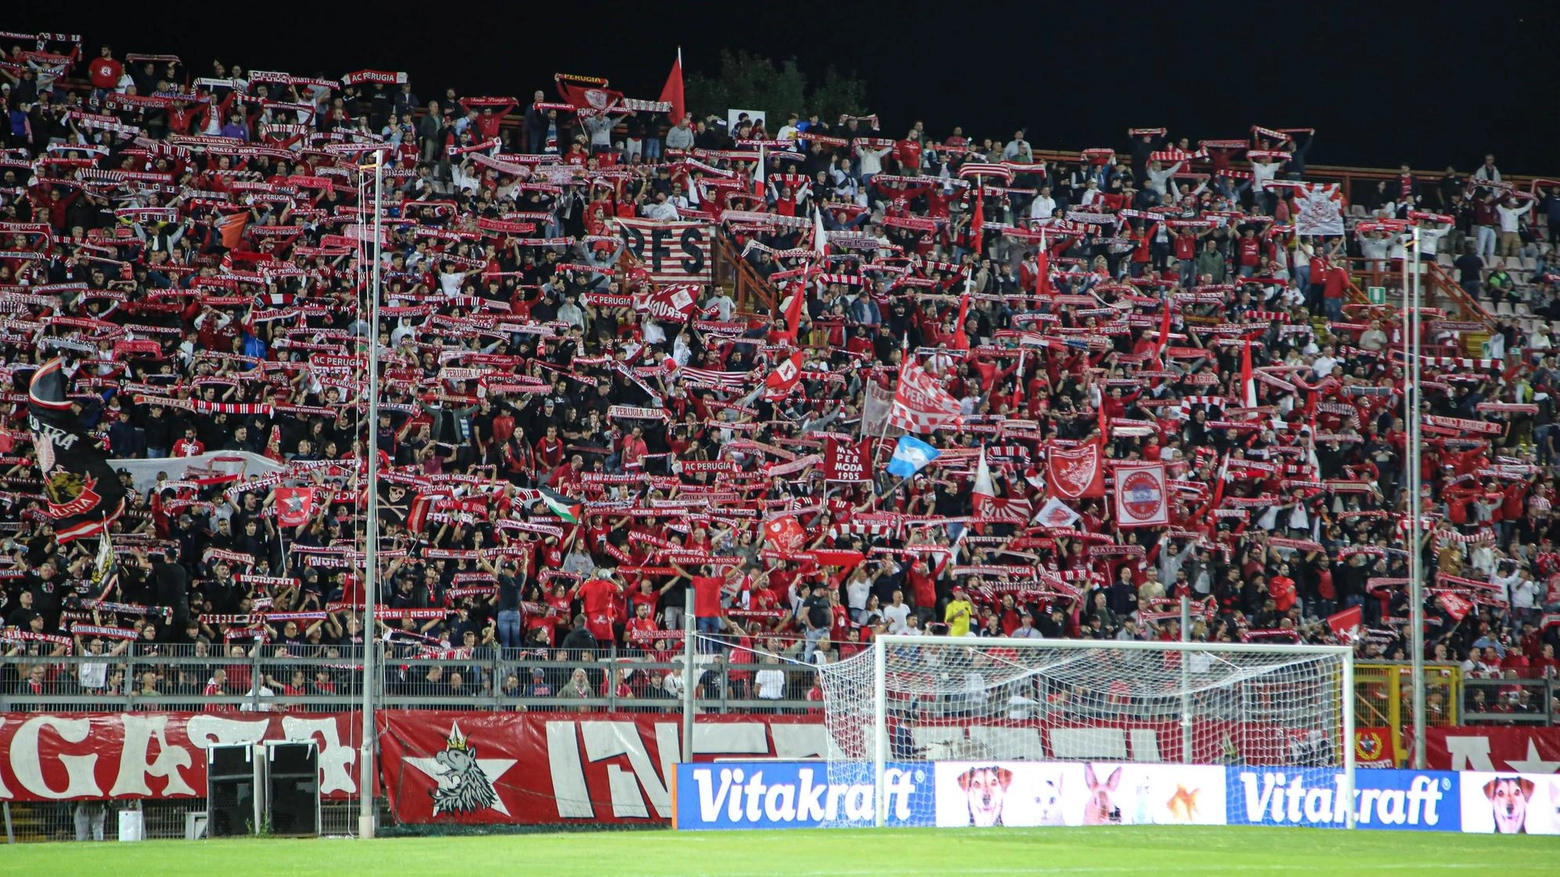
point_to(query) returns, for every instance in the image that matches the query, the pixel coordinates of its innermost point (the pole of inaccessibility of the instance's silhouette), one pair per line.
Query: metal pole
(1416, 574)
(1186, 677)
(10, 836)
(879, 730)
(690, 703)
(1348, 738)
(371, 524)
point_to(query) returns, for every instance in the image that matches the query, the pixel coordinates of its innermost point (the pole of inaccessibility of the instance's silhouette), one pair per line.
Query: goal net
(1039, 713)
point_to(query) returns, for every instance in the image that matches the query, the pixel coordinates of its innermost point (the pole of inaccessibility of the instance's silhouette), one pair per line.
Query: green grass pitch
(825, 853)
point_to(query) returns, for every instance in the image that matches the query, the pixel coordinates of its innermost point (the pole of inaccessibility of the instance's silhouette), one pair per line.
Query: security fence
(298, 678)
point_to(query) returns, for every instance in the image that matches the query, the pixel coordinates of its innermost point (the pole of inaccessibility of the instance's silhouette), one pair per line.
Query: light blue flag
(911, 456)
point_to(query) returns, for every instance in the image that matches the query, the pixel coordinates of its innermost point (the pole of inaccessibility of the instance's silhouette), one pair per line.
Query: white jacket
(872, 159)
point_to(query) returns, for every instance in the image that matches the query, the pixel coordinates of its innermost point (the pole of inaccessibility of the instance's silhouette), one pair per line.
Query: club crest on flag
(1075, 472)
(785, 533)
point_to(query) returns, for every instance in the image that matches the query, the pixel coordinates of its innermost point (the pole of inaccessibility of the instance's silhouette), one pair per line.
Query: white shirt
(1510, 216)
(897, 616)
(770, 684)
(724, 306)
(93, 675)
(1042, 208)
(856, 593)
(666, 212)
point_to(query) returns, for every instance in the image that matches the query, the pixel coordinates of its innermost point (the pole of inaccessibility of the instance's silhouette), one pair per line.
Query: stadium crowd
(569, 448)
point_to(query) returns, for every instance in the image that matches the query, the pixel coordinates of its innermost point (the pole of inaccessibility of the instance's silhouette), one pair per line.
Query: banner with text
(536, 769)
(62, 757)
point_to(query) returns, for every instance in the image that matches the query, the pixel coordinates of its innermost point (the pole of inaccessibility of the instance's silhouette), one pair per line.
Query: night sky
(1443, 86)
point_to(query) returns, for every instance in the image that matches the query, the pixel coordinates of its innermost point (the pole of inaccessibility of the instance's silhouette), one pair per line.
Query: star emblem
(1533, 764)
(491, 769)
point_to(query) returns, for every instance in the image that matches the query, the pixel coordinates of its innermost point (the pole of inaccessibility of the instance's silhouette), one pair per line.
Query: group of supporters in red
(968, 390)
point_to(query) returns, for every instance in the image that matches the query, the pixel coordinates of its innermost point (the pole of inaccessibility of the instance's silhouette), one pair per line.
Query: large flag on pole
(920, 405)
(820, 234)
(911, 455)
(984, 495)
(961, 338)
(82, 493)
(793, 310)
(672, 91)
(986, 505)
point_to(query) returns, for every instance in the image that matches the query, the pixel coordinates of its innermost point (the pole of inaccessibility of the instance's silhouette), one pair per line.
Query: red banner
(1493, 748)
(850, 462)
(74, 756)
(549, 769)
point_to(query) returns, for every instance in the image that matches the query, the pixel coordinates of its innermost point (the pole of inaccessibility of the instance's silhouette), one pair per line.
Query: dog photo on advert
(1510, 803)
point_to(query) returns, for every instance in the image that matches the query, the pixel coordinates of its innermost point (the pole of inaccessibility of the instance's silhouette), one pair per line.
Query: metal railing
(274, 678)
(1510, 701)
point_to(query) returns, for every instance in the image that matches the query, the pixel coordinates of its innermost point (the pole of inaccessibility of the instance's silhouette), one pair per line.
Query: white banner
(1141, 500)
(240, 463)
(1320, 209)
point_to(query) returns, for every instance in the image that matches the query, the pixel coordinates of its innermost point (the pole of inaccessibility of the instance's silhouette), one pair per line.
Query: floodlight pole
(366, 814)
(1416, 574)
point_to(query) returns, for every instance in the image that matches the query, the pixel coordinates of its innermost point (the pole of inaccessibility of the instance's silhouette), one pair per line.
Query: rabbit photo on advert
(1101, 807)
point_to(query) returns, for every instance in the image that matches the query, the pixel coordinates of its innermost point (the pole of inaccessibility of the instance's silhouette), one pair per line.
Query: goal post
(1286, 711)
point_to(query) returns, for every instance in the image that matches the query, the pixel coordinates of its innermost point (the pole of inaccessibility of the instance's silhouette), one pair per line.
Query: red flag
(672, 91)
(1346, 624)
(1455, 605)
(673, 301)
(977, 225)
(785, 533)
(1248, 385)
(780, 381)
(793, 311)
(921, 405)
(850, 462)
(294, 506)
(961, 339)
(589, 100)
(1075, 473)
